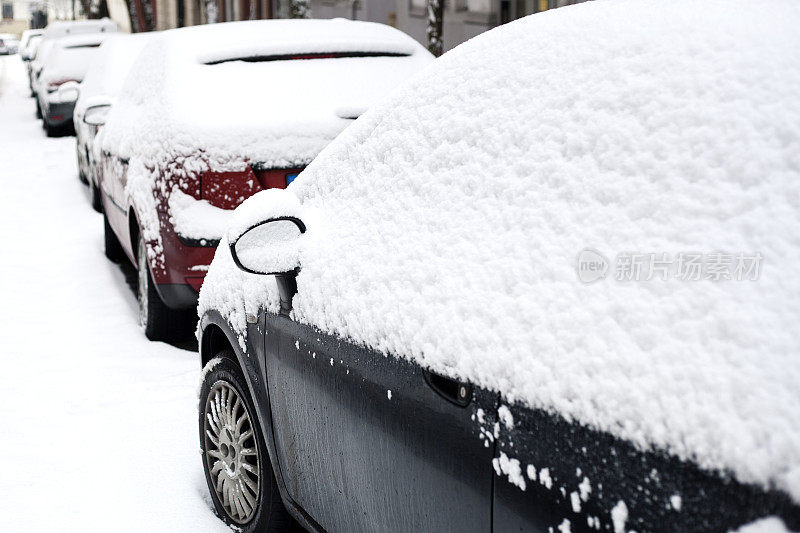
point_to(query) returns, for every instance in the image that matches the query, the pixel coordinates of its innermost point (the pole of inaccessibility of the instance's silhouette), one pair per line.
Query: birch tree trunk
(435, 18)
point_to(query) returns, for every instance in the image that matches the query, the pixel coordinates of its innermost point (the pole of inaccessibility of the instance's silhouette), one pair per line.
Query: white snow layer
(99, 424)
(446, 223)
(771, 524)
(109, 67)
(70, 58)
(280, 113)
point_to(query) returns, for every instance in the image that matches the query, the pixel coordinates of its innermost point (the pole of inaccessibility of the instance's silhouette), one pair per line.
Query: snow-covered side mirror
(266, 233)
(96, 115)
(25, 56)
(68, 92)
(269, 247)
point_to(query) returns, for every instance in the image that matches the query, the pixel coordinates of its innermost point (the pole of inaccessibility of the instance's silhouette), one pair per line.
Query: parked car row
(58, 59)
(381, 249)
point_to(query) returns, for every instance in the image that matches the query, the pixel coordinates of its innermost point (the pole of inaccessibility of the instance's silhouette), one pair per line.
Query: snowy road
(97, 425)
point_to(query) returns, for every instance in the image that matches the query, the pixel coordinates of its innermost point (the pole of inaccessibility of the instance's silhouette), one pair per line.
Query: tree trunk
(298, 9)
(149, 15)
(142, 15)
(435, 18)
(211, 10)
(94, 9)
(133, 15)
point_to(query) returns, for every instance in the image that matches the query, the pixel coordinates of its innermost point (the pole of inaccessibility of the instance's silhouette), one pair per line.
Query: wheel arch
(216, 334)
(133, 230)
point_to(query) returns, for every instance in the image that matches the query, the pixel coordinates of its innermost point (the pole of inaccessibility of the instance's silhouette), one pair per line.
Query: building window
(479, 6)
(8, 11)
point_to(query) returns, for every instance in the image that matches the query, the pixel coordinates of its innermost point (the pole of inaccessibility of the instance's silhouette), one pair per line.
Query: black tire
(113, 248)
(51, 131)
(97, 203)
(38, 109)
(159, 322)
(81, 173)
(270, 514)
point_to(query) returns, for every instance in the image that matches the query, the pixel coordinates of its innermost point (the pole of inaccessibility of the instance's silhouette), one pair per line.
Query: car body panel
(365, 444)
(590, 472)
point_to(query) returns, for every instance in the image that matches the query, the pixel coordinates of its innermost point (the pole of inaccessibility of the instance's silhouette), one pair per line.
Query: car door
(112, 185)
(371, 442)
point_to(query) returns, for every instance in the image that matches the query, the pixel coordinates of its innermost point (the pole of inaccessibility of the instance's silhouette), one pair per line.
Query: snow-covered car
(27, 51)
(98, 91)
(57, 85)
(210, 115)
(25, 41)
(57, 30)
(8, 44)
(64, 28)
(540, 288)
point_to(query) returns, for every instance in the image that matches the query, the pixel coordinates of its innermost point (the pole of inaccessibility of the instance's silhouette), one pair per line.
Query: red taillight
(274, 178)
(227, 190)
(53, 85)
(195, 282)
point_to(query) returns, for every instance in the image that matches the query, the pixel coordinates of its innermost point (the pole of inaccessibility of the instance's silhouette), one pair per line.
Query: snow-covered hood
(447, 224)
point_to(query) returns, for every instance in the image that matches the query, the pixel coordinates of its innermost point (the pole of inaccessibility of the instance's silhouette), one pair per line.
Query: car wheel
(81, 173)
(97, 203)
(235, 460)
(38, 109)
(51, 131)
(113, 248)
(159, 322)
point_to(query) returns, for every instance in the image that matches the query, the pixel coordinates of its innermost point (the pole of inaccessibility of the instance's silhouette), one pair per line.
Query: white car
(57, 84)
(25, 40)
(8, 44)
(98, 91)
(59, 29)
(28, 54)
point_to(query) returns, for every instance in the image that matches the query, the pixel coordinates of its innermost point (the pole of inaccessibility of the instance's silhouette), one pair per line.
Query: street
(99, 424)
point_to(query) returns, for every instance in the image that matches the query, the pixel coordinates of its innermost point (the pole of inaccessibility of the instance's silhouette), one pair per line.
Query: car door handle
(454, 391)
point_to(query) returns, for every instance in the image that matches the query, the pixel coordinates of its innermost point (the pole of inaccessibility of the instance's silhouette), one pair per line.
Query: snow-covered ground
(99, 428)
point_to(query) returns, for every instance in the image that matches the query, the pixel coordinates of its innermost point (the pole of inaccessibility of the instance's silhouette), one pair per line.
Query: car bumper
(186, 266)
(58, 114)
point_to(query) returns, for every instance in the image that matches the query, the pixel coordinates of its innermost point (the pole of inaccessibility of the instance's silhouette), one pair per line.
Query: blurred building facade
(463, 19)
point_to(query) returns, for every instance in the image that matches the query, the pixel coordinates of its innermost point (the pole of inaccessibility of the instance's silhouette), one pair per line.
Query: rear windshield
(287, 57)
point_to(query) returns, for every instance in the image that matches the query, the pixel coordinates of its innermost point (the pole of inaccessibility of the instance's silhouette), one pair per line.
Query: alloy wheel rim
(231, 452)
(142, 285)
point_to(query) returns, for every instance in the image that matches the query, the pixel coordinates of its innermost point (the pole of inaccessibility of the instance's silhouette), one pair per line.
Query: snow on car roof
(73, 27)
(109, 68)
(280, 113)
(446, 224)
(71, 56)
(224, 42)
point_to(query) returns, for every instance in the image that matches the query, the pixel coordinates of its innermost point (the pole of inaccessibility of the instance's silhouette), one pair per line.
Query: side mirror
(96, 115)
(269, 247)
(68, 92)
(25, 56)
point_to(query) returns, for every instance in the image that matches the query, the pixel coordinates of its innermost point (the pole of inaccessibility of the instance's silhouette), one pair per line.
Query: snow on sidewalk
(98, 424)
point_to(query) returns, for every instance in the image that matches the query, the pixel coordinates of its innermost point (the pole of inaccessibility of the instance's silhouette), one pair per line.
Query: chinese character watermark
(684, 266)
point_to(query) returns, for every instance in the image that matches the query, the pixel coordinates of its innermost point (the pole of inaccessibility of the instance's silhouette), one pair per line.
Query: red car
(209, 116)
